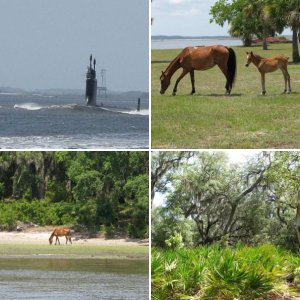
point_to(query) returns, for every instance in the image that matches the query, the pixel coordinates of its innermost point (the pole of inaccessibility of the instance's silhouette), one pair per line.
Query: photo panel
(75, 74)
(225, 224)
(74, 224)
(224, 74)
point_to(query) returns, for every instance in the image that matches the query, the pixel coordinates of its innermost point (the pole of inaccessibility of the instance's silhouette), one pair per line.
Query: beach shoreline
(42, 237)
(34, 243)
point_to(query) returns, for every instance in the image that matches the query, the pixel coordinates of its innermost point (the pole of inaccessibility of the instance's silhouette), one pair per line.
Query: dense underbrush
(213, 272)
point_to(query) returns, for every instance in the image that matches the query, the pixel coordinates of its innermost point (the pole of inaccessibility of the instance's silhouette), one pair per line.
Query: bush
(213, 272)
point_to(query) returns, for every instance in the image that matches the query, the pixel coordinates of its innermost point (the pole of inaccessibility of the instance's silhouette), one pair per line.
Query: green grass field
(209, 119)
(74, 251)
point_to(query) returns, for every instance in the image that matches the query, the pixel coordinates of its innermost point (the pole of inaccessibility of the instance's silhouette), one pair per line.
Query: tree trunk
(264, 40)
(296, 58)
(298, 219)
(247, 41)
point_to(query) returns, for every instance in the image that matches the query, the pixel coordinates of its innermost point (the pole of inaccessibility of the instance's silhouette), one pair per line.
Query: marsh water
(43, 278)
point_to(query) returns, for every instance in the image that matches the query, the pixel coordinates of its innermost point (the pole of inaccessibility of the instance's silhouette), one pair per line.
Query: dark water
(36, 121)
(73, 279)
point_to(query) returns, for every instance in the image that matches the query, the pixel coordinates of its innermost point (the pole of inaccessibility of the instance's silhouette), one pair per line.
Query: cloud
(176, 1)
(186, 12)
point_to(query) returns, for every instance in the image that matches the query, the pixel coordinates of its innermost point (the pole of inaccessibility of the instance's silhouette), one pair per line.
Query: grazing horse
(60, 232)
(200, 58)
(267, 65)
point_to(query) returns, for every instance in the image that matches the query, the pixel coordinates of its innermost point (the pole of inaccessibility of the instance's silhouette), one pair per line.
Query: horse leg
(288, 79)
(263, 86)
(192, 73)
(184, 72)
(285, 80)
(223, 68)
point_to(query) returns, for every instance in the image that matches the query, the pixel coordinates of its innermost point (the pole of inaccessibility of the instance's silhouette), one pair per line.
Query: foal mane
(257, 56)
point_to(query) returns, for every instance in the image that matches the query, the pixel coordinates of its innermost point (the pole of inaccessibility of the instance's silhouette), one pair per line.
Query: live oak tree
(161, 164)
(209, 199)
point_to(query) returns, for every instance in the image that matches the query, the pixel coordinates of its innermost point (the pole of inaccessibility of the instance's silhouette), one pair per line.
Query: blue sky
(185, 17)
(47, 44)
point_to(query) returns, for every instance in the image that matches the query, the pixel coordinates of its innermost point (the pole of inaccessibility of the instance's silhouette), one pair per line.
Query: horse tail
(231, 67)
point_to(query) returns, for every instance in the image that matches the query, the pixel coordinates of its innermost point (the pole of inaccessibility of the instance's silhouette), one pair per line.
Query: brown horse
(60, 232)
(267, 65)
(201, 58)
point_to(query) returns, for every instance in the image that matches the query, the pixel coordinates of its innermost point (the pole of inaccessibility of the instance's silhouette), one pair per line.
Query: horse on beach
(60, 232)
(268, 65)
(201, 58)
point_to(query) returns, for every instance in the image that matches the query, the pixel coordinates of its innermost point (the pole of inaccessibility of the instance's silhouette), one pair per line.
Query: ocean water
(185, 42)
(65, 122)
(43, 278)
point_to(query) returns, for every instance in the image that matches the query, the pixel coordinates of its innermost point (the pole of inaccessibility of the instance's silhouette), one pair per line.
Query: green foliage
(88, 185)
(83, 189)
(217, 273)
(175, 241)
(243, 17)
(2, 190)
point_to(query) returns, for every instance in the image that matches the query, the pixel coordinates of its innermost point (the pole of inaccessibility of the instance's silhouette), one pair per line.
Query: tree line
(105, 191)
(260, 18)
(209, 199)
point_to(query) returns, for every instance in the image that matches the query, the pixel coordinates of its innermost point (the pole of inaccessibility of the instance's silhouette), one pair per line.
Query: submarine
(91, 84)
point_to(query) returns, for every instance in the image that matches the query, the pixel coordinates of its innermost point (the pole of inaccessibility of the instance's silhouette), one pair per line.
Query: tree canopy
(208, 199)
(258, 18)
(94, 190)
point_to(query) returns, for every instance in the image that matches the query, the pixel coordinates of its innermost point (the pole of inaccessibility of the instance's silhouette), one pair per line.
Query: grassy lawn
(74, 251)
(209, 119)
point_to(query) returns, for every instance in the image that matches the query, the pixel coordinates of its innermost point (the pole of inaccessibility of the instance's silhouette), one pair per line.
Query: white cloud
(176, 1)
(187, 12)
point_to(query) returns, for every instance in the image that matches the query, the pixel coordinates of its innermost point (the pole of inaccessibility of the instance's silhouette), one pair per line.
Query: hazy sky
(185, 17)
(47, 43)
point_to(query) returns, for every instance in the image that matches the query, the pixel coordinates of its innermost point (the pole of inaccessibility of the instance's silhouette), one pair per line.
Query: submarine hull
(91, 91)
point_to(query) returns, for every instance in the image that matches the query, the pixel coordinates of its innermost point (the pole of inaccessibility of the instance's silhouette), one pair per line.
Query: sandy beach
(40, 236)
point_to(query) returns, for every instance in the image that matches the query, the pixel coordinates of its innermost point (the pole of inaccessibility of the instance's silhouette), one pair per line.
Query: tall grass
(244, 273)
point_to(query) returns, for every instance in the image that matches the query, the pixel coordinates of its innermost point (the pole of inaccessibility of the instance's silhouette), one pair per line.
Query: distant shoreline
(180, 37)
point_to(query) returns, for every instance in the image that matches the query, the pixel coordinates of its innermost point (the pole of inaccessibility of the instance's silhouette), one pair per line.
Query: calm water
(73, 279)
(182, 43)
(36, 121)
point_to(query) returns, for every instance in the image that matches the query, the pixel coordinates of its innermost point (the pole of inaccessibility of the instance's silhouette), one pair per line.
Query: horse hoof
(263, 93)
(173, 94)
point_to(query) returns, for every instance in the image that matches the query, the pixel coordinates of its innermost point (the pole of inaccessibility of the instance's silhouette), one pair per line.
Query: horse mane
(257, 56)
(172, 64)
(52, 235)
